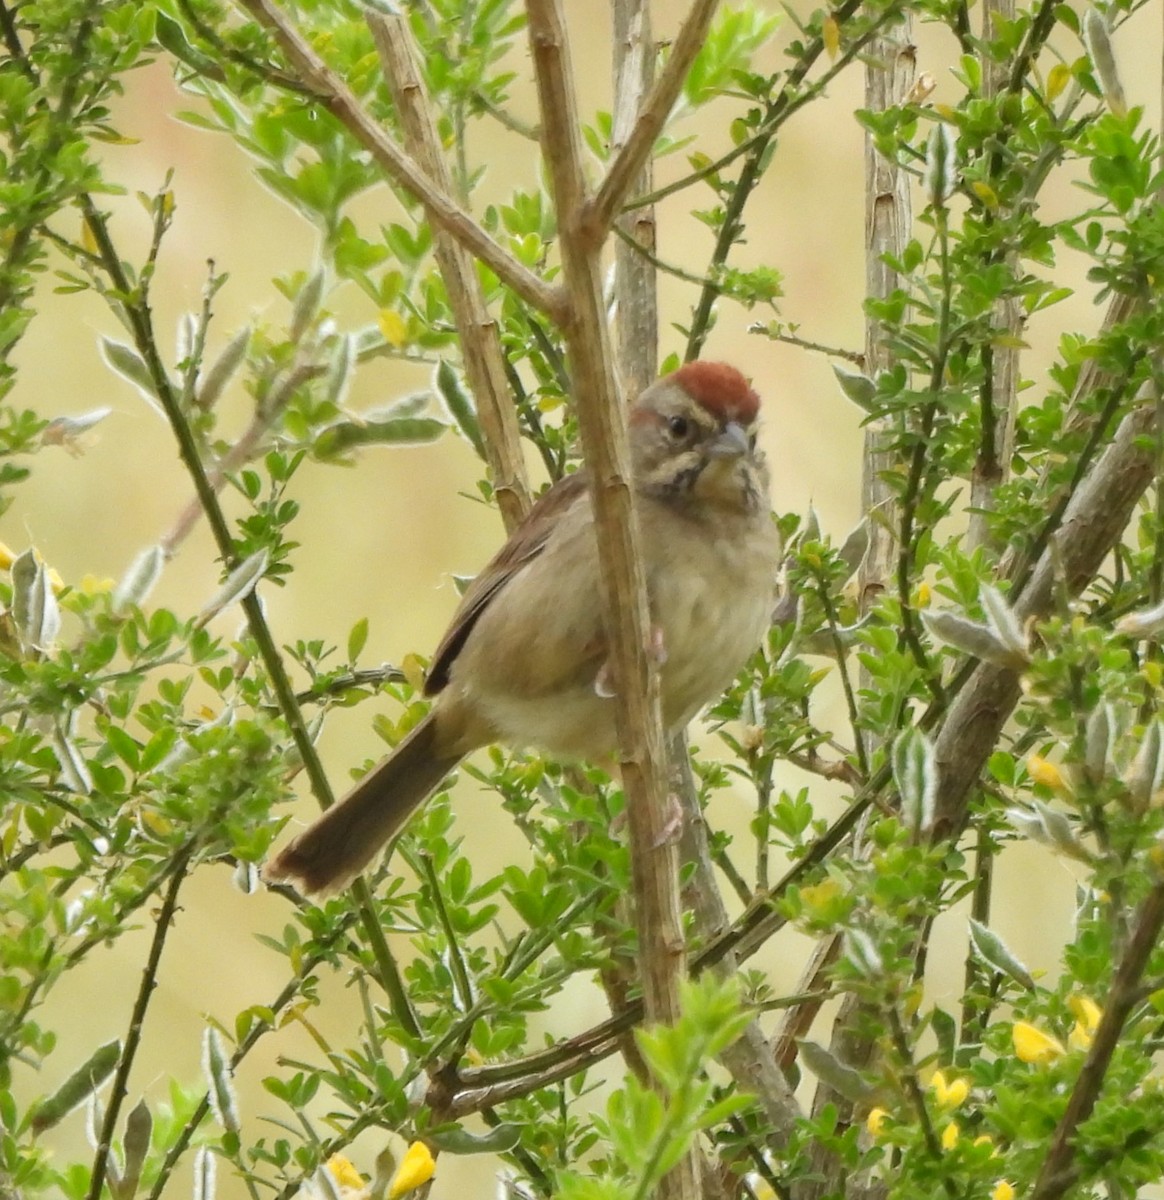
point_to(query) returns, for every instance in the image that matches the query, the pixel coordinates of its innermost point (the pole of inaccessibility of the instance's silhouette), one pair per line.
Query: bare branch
(889, 75)
(480, 340)
(636, 303)
(341, 102)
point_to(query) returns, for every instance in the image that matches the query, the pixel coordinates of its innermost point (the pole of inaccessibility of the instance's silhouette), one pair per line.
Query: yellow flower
(875, 1121)
(7, 558)
(346, 1175)
(923, 595)
(1032, 1045)
(1086, 1011)
(415, 1169)
(1087, 1017)
(393, 328)
(1002, 1190)
(949, 1093)
(1045, 772)
(818, 897)
(950, 1136)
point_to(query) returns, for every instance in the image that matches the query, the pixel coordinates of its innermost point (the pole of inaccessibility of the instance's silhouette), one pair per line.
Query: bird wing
(526, 542)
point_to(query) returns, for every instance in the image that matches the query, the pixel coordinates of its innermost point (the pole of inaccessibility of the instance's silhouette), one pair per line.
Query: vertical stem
(888, 77)
(602, 423)
(1000, 387)
(149, 977)
(636, 322)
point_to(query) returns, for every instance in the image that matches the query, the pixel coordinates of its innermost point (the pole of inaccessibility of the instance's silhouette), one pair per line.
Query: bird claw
(656, 651)
(656, 646)
(672, 827)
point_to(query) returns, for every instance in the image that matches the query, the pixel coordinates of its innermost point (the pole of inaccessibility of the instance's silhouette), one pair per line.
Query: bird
(525, 659)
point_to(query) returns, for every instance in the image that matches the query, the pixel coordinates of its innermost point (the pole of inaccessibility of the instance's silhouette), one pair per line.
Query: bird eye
(677, 427)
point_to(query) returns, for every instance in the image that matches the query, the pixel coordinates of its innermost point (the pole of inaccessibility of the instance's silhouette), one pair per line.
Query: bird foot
(656, 650)
(672, 827)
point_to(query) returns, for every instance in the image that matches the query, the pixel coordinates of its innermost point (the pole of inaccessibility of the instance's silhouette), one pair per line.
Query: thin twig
(629, 159)
(791, 339)
(129, 1048)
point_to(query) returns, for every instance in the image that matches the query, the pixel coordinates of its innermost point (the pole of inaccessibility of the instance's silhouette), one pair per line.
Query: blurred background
(384, 537)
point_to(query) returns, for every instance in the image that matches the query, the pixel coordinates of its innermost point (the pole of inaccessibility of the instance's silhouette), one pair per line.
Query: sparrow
(525, 660)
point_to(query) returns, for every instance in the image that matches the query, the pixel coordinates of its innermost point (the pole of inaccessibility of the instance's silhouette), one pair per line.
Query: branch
(480, 339)
(341, 102)
(630, 159)
(1092, 524)
(601, 422)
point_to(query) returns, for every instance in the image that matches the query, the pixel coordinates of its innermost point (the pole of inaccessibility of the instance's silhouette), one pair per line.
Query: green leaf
(172, 38)
(994, 952)
(237, 586)
(830, 1070)
(357, 639)
(220, 1086)
(132, 368)
(77, 1088)
(459, 404)
(915, 772)
(34, 605)
(392, 431)
(139, 580)
(456, 1139)
(135, 1146)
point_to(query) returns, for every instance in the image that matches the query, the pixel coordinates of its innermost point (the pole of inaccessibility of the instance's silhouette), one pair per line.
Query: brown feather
(330, 853)
(526, 543)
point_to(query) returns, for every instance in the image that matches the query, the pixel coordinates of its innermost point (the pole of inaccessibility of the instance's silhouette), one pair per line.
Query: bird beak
(731, 443)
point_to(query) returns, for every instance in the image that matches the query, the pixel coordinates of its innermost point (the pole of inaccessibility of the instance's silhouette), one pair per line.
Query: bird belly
(711, 623)
(573, 724)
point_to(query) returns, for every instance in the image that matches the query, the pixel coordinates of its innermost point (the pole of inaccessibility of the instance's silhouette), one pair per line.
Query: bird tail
(330, 853)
